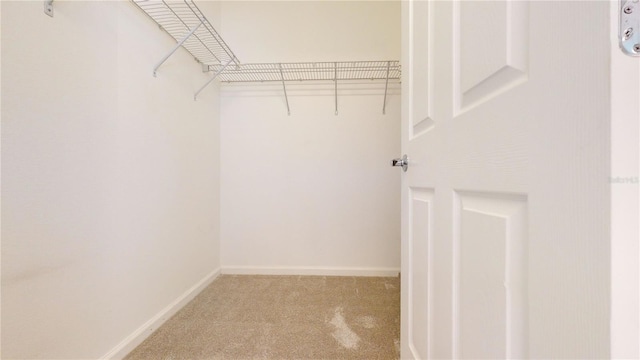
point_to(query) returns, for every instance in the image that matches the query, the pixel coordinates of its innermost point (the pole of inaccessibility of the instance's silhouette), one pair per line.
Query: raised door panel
(420, 74)
(420, 272)
(490, 283)
(491, 52)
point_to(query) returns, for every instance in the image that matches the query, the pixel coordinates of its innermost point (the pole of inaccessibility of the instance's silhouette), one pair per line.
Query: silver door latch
(629, 32)
(403, 162)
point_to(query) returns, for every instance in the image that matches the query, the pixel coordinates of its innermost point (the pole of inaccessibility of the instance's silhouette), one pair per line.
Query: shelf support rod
(285, 90)
(155, 69)
(386, 85)
(335, 81)
(195, 97)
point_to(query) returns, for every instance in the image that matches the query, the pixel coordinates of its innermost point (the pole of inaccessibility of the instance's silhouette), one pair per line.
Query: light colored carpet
(283, 317)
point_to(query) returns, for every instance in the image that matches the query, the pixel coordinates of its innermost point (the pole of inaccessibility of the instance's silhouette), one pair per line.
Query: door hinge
(629, 31)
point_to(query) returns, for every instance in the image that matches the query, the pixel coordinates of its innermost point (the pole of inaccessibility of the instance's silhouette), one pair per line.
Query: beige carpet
(283, 317)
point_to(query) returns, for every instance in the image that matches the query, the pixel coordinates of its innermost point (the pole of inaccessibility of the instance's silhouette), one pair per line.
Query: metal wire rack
(311, 71)
(184, 21)
(305, 71)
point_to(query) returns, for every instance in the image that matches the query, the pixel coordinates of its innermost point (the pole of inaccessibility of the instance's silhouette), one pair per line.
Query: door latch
(402, 162)
(629, 32)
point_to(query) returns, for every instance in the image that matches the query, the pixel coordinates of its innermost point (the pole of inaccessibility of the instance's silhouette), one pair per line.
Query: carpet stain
(367, 322)
(342, 332)
(389, 286)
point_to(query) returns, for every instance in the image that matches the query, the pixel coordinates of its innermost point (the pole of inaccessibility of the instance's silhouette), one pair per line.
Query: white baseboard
(137, 337)
(307, 270)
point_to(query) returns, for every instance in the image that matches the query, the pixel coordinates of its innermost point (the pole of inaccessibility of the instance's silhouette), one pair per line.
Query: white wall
(310, 193)
(289, 31)
(110, 181)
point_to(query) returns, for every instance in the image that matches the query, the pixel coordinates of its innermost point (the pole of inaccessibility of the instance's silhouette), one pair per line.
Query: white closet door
(506, 230)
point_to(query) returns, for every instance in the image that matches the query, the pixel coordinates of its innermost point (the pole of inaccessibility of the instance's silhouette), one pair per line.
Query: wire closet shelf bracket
(184, 21)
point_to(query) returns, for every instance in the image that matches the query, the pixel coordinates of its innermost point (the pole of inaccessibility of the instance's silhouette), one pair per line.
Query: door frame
(625, 200)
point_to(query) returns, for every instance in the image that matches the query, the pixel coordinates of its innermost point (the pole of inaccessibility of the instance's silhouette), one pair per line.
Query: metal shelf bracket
(335, 81)
(48, 7)
(285, 90)
(190, 29)
(195, 97)
(175, 48)
(386, 86)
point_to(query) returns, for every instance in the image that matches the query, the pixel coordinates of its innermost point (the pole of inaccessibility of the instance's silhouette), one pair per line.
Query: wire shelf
(184, 21)
(311, 71)
(306, 71)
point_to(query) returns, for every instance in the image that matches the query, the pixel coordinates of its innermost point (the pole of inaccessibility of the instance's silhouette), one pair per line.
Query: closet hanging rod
(184, 21)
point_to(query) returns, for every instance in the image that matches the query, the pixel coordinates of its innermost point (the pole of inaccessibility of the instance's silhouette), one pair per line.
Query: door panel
(419, 290)
(490, 257)
(491, 49)
(422, 89)
(505, 202)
